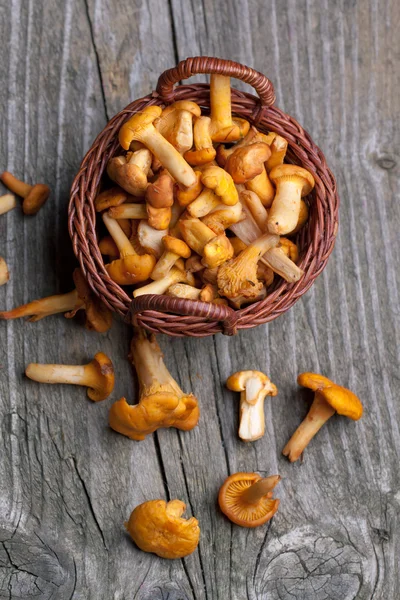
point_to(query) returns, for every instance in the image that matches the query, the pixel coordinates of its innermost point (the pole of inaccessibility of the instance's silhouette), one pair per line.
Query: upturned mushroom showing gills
(292, 182)
(98, 316)
(140, 127)
(253, 386)
(328, 399)
(34, 195)
(162, 403)
(157, 526)
(238, 277)
(131, 267)
(246, 499)
(97, 376)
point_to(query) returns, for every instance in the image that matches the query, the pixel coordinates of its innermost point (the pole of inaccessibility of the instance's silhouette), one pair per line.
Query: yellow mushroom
(131, 174)
(221, 183)
(292, 182)
(223, 128)
(204, 150)
(34, 195)
(246, 163)
(174, 249)
(176, 124)
(7, 203)
(4, 273)
(215, 250)
(278, 152)
(160, 286)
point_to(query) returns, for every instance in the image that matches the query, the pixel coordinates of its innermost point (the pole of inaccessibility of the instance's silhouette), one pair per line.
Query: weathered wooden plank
(64, 475)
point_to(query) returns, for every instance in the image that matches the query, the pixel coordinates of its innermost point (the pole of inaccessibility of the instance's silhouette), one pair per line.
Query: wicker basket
(178, 317)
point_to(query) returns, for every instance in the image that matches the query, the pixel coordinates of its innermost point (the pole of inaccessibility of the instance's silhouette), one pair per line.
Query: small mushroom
(34, 195)
(97, 376)
(238, 277)
(128, 211)
(173, 250)
(223, 128)
(253, 136)
(140, 127)
(215, 250)
(159, 218)
(162, 403)
(186, 195)
(111, 197)
(222, 217)
(253, 386)
(278, 152)
(204, 151)
(246, 163)
(160, 193)
(246, 499)
(131, 172)
(221, 183)
(98, 316)
(151, 239)
(157, 526)
(4, 273)
(328, 399)
(292, 182)
(176, 124)
(7, 203)
(206, 201)
(160, 286)
(256, 208)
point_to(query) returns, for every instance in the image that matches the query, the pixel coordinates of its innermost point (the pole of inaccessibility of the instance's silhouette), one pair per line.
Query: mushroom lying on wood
(7, 203)
(140, 127)
(158, 527)
(34, 195)
(246, 499)
(253, 386)
(98, 316)
(97, 376)
(328, 399)
(162, 403)
(292, 182)
(4, 273)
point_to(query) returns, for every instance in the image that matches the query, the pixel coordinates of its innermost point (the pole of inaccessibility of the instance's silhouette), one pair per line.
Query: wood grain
(67, 482)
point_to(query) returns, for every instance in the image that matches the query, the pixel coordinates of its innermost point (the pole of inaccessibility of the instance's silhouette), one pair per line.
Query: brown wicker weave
(178, 317)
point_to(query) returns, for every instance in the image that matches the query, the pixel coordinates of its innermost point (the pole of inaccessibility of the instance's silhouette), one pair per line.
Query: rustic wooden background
(67, 482)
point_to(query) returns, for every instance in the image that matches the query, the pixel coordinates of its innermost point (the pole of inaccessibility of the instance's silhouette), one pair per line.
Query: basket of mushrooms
(202, 209)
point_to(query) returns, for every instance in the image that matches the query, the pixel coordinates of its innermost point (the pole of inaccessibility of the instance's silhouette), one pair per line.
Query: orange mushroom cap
(246, 499)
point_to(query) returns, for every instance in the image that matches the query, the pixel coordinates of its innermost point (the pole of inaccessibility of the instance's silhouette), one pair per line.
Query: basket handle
(206, 64)
(190, 308)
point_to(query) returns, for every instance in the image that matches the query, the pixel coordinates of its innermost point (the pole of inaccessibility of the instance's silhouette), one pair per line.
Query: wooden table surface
(67, 482)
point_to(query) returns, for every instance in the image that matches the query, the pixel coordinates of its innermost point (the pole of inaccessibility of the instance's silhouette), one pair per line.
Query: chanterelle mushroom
(221, 183)
(222, 127)
(4, 274)
(114, 196)
(204, 150)
(160, 286)
(140, 127)
(173, 250)
(97, 376)
(176, 124)
(34, 195)
(157, 526)
(162, 403)
(246, 499)
(215, 249)
(238, 277)
(131, 174)
(247, 162)
(329, 398)
(253, 386)
(292, 182)
(98, 316)
(7, 202)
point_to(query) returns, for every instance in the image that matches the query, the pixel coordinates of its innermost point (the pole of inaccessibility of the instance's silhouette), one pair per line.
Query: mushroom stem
(256, 208)
(4, 273)
(15, 185)
(128, 211)
(149, 364)
(122, 241)
(220, 100)
(319, 413)
(277, 260)
(38, 309)
(285, 207)
(168, 156)
(261, 488)
(73, 374)
(7, 202)
(160, 286)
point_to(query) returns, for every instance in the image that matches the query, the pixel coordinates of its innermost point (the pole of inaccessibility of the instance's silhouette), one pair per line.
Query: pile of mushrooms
(201, 207)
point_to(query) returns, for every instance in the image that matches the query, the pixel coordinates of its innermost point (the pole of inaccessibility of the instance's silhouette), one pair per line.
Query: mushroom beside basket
(181, 317)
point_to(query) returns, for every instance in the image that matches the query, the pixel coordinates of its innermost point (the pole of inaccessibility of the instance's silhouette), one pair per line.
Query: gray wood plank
(67, 482)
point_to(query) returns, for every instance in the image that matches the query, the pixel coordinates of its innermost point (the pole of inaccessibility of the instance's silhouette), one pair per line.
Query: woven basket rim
(178, 317)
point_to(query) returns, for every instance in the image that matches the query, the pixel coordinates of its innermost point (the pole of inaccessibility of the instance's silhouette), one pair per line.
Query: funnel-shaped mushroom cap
(142, 119)
(246, 499)
(254, 382)
(158, 527)
(340, 398)
(293, 173)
